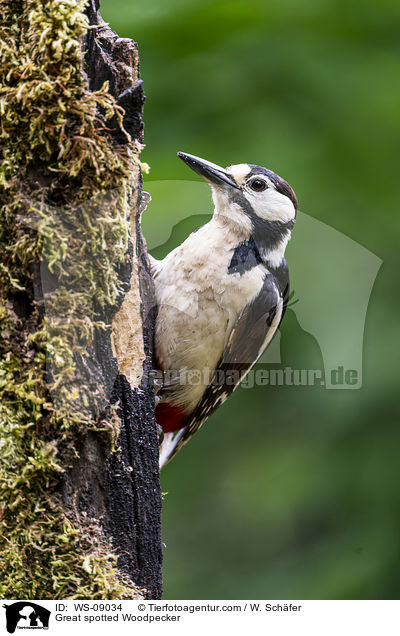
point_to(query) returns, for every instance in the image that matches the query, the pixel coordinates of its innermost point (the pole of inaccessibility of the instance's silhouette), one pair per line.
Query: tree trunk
(80, 493)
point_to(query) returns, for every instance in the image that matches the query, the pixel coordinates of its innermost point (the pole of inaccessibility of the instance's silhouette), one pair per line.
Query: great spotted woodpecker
(221, 296)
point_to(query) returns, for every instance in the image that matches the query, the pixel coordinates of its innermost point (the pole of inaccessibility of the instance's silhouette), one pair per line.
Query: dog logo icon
(26, 615)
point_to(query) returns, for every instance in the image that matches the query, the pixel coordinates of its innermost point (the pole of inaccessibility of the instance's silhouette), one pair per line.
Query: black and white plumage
(221, 295)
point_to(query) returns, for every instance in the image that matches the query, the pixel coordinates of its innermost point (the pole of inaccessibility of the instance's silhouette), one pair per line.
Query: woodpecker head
(253, 199)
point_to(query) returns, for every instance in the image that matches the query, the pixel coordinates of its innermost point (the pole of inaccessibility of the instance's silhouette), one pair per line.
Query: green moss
(63, 190)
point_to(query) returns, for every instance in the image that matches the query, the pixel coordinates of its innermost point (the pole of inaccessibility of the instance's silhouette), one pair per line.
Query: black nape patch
(245, 257)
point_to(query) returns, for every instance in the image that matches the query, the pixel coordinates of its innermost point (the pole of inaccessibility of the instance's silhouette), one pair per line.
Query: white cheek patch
(272, 206)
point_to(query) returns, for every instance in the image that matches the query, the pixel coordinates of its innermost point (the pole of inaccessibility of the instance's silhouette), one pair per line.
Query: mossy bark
(79, 484)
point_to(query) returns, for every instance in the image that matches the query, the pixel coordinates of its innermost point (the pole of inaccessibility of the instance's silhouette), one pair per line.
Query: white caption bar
(280, 618)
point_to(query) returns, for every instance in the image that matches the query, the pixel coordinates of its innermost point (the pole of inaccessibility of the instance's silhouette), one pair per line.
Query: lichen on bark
(64, 234)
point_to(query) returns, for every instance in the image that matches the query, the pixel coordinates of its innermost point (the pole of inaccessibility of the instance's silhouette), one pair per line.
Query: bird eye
(258, 185)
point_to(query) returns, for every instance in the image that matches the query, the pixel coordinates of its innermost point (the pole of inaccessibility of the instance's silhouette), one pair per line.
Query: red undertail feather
(170, 418)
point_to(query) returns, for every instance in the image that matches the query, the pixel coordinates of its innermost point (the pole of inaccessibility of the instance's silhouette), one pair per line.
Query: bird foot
(158, 383)
(160, 433)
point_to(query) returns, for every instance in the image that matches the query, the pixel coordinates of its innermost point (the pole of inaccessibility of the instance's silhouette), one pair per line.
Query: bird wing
(252, 332)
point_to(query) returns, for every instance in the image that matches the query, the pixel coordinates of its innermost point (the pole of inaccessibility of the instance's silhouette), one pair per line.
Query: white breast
(198, 303)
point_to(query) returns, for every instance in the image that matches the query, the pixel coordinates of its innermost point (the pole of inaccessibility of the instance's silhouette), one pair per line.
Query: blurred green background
(289, 492)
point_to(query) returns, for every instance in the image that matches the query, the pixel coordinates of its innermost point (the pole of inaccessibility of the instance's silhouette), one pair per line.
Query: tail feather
(170, 446)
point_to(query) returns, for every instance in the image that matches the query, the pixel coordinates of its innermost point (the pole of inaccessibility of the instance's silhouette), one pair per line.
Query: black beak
(209, 171)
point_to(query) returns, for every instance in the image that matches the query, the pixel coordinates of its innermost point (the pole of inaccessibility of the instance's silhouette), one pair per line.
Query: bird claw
(160, 433)
(157, 380)
(158, 399)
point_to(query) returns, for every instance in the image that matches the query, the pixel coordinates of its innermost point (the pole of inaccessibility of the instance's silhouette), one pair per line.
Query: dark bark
(122, 489)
